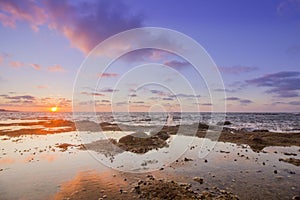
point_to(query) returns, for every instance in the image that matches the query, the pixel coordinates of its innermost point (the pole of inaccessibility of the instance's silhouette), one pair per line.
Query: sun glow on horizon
(54, 109)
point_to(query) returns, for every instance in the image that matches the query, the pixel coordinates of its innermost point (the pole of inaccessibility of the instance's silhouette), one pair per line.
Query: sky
(46, 46)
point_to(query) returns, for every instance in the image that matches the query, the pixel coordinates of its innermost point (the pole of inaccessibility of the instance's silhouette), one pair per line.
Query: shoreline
(257, 139)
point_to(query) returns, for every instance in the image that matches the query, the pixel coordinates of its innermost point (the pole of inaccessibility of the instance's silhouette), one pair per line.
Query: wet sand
(244, 165)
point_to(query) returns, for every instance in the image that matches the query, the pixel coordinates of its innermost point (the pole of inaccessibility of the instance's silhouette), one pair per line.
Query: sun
(54, 109)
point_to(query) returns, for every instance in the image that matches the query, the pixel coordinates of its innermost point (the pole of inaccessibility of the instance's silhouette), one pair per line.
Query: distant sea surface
(276, 122)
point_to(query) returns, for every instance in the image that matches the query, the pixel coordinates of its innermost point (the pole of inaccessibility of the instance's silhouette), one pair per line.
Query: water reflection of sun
(53, 109)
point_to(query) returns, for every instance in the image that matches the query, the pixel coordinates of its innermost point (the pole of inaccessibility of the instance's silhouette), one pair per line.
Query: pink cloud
(56, 68)
(107, 75)
(101, 19)
(35, 66)
(41, 86)
(16, 64)
(176, 63)
(28, 11)
(84, 24)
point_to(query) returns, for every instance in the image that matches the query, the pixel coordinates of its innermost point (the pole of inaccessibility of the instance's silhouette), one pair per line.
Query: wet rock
(63, 146)
(293, 161)
(141, 143)
(198, 179)
(296, 197)
(256, 138)
(260, 131)
(221, 151)
(187, 159)
(224, 123)
(290, 154)
(164, 189)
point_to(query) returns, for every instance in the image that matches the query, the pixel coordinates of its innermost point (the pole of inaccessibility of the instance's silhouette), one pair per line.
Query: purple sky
(255, 44)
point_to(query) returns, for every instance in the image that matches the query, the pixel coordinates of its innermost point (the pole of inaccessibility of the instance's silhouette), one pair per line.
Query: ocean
(275, 122)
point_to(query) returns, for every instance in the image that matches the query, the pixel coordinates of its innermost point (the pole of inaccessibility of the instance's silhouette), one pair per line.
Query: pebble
(275, 171)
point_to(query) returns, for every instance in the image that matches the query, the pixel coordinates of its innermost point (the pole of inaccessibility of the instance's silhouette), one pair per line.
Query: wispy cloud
(41, 86)
(206, 104)
(237, 69)
(159, 92)
(288, 7)
(21, 97)
(283, 84)
(35, 66)
(293, 103)
(92, 93)
(225, 90)
(107, 75)
(16, 64)
(23, 11)
(176, 63)
(55, 68)
(108, 90)
(181, 95)
(146, 54)
(241, 101)
(168, 99)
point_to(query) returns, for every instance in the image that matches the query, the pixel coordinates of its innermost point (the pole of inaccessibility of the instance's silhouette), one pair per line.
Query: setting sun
(53, 109)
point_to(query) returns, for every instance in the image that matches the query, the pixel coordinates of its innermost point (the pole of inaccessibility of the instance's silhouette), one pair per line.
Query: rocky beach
(63, 159)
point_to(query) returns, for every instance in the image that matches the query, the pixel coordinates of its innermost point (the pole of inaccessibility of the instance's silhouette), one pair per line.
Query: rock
(202, 126)
(275, 171)
(224, 123)
(296, 197)
(261, 130)
(187, 159)
(256, 138)
(290, 154)
(198, 179)
(293, 161)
